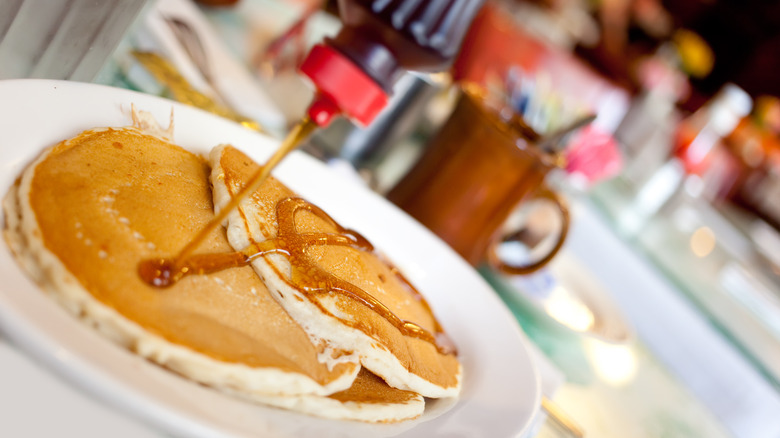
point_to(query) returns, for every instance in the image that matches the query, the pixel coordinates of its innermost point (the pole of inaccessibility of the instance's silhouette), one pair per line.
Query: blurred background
(660, 317)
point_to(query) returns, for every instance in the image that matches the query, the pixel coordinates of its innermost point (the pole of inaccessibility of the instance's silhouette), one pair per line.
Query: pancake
(343, 293)
(369, 399)
(84, 214)
(88, 210)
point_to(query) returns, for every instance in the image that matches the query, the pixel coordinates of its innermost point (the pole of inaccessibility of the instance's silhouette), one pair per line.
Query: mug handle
(495, 261)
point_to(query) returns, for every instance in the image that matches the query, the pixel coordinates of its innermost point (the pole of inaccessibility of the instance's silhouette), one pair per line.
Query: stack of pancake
(87, 211)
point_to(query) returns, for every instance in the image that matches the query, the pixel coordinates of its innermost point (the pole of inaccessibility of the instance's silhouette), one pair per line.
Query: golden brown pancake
(368, 399)
(88, 210)
(375, 323)
(101, 202)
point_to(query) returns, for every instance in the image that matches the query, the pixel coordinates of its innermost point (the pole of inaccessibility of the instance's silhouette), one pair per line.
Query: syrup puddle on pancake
(306, 274)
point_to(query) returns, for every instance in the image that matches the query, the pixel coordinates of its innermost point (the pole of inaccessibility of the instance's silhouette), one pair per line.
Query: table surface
(704, 254)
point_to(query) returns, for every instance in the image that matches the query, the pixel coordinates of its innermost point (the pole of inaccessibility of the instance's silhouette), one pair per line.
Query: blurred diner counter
(696, 363)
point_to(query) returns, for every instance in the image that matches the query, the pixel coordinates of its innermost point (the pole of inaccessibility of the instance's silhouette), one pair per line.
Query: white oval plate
(501, 392)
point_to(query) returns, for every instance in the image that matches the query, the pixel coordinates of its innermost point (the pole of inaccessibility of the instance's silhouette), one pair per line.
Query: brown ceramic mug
(475, 171)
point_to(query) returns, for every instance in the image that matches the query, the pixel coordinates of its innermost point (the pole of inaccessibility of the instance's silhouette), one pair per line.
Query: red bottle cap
(341, 87)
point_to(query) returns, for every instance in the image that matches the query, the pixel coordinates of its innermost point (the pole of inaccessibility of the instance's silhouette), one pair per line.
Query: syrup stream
(300, 132)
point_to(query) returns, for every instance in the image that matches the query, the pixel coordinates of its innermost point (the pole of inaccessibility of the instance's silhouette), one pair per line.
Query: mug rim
(523, 135)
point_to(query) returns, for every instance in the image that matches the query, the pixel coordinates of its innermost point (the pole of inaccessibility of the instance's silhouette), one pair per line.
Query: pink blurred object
(658, 75)
(593, 155)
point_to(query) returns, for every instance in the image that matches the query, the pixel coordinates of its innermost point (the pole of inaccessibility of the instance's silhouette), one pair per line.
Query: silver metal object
(188, 38)
(366, 146)
(563, 420)
(554, 141)
(61, 39)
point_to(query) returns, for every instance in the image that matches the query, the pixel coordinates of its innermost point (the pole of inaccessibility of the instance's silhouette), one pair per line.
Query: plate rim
(35, 341)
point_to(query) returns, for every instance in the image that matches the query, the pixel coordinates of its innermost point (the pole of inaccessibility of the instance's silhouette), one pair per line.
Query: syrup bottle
(355, 71)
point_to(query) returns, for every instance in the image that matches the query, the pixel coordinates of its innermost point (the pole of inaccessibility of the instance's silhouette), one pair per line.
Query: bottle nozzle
(323, 110)
(341, 88)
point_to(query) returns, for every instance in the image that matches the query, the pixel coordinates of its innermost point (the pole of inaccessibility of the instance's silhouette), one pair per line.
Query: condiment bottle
(355, 71)
(698, 134)
(691, 164)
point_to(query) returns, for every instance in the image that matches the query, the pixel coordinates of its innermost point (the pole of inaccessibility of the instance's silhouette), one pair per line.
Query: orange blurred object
(703, 131)
(497, 43)
(754, 148)
(493, 44)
